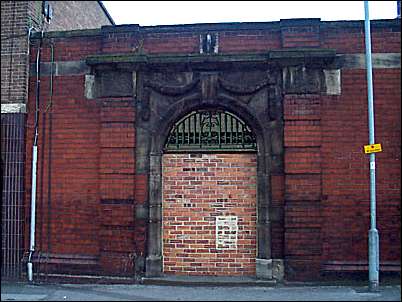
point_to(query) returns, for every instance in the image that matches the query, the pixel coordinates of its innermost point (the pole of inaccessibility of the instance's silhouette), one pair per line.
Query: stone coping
(224, 26)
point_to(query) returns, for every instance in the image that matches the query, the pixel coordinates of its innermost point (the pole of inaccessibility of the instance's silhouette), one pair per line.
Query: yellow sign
(372, 148)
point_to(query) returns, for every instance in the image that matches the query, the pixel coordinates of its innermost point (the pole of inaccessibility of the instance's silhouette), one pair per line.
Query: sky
(150, 13)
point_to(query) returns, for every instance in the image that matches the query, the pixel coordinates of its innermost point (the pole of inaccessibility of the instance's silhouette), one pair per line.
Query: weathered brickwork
(14, 48)
(254, 41)
(19, 21)
(345, 200)
(303, 183)
(318, 182)
(17, 17)
(117, 172)
(69, 129)
(351, 38)
(294, 35)
(73, 15)
(198, 189)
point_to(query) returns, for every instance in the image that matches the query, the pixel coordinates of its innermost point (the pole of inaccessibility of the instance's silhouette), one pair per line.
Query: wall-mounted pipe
(49, 173)
(34, 165)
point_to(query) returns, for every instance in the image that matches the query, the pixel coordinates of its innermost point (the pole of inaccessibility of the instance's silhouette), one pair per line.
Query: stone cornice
(281, 57)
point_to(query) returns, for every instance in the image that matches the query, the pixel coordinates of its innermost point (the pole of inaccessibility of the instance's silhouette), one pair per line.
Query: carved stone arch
(161, 128)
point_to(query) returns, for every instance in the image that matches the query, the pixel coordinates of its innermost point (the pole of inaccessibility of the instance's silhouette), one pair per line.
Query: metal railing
(12, 205)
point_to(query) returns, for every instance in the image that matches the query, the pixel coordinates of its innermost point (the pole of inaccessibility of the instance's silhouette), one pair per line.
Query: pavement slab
(141, 292)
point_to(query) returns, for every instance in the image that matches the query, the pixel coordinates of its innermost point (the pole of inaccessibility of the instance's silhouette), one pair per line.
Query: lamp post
(373, 242)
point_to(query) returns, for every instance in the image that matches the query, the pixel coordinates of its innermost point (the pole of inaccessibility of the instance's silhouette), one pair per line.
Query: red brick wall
(196, 190)
(72, 49)
(92, 186)
(323, 191)
(116, 185)
(257, 40)
(327, 211)
(302, 142)
(345, 186)
(75, 126)
(351, 39)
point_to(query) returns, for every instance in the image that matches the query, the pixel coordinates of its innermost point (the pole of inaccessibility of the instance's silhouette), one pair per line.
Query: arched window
(210, 130)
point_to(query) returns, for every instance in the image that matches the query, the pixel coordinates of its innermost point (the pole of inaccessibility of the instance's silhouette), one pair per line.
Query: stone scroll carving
(169, 92)
(256, 90)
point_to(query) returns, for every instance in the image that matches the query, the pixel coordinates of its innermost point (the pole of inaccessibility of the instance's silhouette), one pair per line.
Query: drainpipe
(34, 166)
(373, 244)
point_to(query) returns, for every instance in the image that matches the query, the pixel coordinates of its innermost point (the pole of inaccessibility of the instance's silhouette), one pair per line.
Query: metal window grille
(12, 166)
(211, 130)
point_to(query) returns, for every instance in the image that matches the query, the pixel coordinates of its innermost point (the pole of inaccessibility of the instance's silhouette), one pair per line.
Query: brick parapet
(346, 37)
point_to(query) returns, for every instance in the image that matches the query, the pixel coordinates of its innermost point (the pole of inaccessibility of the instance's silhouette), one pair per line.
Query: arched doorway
(209, 203)
(161, 104)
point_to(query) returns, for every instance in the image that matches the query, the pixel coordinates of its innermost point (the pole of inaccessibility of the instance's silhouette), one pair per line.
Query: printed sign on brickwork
(226, 232)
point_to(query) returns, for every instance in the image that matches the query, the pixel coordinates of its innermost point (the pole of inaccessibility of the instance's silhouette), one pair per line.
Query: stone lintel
(13, 108)
(358, 61)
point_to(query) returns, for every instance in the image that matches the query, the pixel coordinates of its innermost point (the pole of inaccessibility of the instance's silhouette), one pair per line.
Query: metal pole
(373, 242)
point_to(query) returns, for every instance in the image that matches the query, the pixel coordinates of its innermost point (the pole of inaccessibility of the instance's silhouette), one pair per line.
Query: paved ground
(135, 292)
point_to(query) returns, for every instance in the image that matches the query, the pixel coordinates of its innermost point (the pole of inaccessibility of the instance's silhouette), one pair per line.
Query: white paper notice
(226, 232)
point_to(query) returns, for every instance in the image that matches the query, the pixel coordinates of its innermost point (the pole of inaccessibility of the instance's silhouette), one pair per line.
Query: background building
(19, 20)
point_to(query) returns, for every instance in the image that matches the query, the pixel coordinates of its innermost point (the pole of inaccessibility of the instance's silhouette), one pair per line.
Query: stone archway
(252, 86)
(160, 104)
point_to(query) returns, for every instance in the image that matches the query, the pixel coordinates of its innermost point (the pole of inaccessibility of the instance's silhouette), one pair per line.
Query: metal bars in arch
(210, 130)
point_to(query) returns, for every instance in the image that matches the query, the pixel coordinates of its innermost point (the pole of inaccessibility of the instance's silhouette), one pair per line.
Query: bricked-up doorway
(209, 214)
(209, 196)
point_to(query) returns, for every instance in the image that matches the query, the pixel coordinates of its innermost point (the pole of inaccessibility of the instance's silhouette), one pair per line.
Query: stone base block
(153, 266)
(270, 269)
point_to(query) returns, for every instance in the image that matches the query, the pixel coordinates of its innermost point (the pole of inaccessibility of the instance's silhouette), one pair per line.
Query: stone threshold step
(207, 281)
